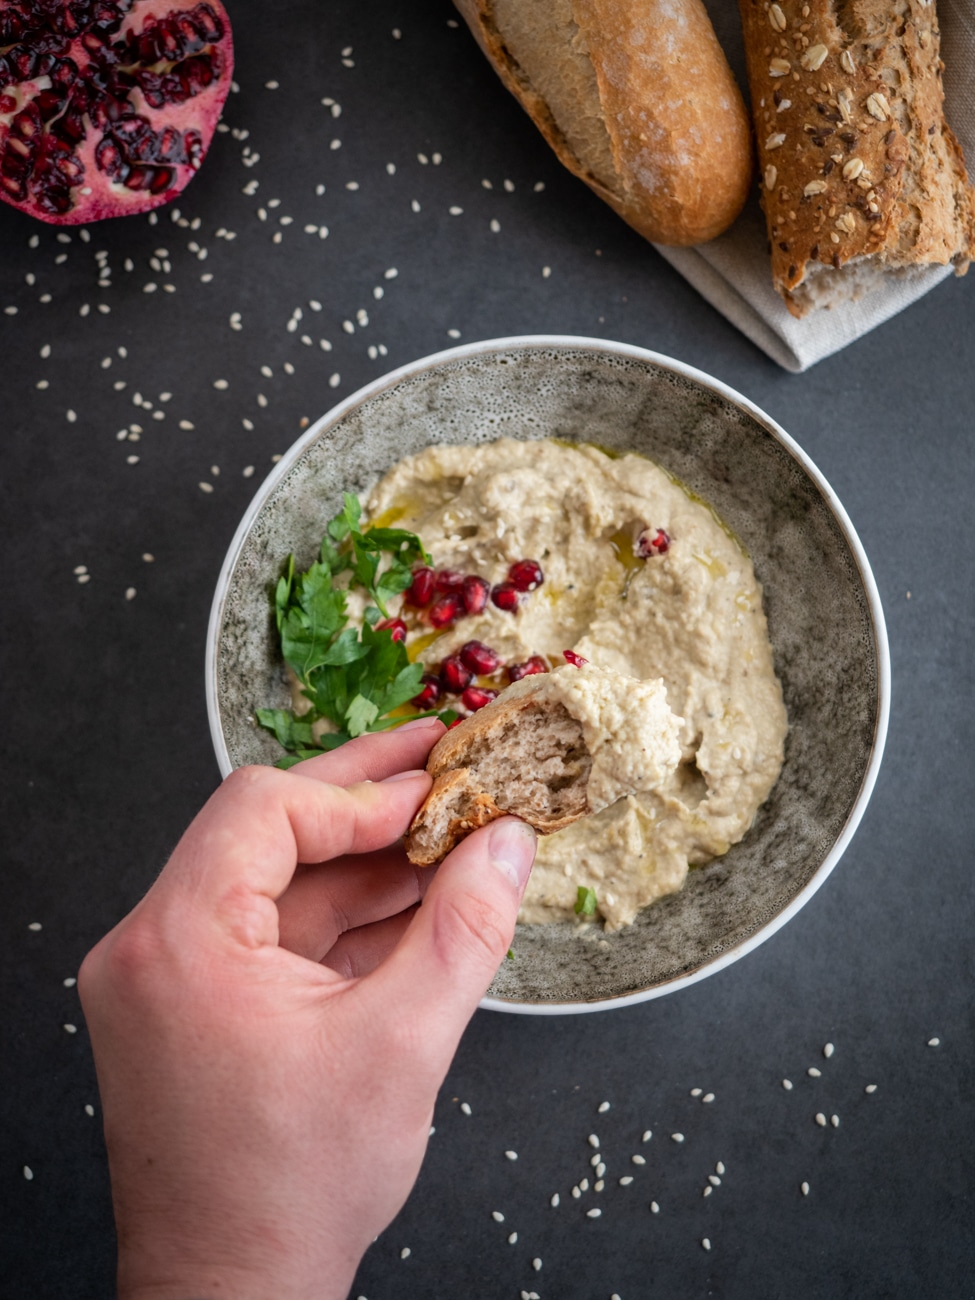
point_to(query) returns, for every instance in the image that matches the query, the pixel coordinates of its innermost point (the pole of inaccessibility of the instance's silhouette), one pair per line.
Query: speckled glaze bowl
(824, 615)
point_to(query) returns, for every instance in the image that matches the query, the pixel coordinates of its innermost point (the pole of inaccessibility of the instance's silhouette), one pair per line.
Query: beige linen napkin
(733, 272)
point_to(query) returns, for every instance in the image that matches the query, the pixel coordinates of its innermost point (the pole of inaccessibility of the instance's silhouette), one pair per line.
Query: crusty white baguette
(636, 98)
(862, 178)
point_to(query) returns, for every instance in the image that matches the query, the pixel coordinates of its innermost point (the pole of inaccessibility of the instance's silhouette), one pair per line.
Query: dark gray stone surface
(107, 752)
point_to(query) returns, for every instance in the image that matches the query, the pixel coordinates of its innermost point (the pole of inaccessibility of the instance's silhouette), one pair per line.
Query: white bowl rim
(717, 386)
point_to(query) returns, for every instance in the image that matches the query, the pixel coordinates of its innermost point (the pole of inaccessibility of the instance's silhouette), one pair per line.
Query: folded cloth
(733, 272)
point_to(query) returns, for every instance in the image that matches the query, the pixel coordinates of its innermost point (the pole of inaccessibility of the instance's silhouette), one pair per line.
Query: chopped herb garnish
(354, 678)
(586, 901)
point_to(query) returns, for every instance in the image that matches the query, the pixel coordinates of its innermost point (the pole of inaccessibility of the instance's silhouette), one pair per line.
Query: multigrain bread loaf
(861, 177)
(551, 749)
(635, 97)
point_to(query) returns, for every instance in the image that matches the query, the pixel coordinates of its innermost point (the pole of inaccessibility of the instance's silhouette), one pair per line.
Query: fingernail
(417, 723)
(512, 849)
(404, 776)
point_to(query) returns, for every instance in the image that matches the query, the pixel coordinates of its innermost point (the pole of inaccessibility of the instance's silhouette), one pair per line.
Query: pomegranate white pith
(107, 107)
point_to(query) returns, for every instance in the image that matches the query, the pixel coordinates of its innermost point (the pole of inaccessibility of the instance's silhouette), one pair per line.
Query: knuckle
(469, 929)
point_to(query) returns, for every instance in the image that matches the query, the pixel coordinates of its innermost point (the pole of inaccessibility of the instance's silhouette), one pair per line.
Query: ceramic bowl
(824, 616)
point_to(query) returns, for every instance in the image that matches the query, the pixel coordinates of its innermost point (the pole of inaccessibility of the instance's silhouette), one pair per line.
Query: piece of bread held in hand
(636, 98)
(550, 749)
(863, 182)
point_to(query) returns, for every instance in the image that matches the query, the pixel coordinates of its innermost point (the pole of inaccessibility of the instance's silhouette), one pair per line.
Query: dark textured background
(107, 752)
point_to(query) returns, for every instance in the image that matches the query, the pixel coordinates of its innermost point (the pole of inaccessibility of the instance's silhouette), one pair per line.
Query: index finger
(376, 756)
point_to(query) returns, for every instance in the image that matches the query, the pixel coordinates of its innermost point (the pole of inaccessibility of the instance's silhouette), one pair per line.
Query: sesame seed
(719, 1167)
(333, 382)
(696, 1092)
(554, 1202)
(654, 1207)
(647, 1135)
(70, 982)
(70, 416)
(261, 399)
(706, 1243)
(576, 1192)
(148, 557)
(455, 211)
(814, 1073)
(70, 1029)
(537, 1264)
(787, 1084)
(186, 424)
(28, 1172)
(594, 1161)
(594, 1213)
(642, 1160)
(222, 384)
(465, 1107)
(453, 334)
(934, 1042)
(593, 1140)
(413, 204)
(804, 1188)
(707, 1098)
(598, 1185)
(677, 1137)
(89, 1109)
(626, 1180)
(603, 1107)
(834, 1120)
(205, 487)
(707, 1191)
(405, 1253)
(871, 1088)
(583, 1184)
(130, 593)
(512, 1238)
(546, 272)
(821, 1119)
(600, 1169)
(509, 1155)
(36, 925)
(497, 1216)
(83, 578)
(248, 471)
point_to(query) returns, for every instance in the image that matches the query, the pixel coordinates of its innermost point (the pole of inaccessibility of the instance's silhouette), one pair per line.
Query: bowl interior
(826, 648)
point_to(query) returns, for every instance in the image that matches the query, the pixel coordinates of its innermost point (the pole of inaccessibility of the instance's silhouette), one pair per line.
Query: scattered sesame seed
(537, 1264)
(870, 1088)
(787, 1084)
(814, 1073)
(598, 1185)
(554, 1202)
(804, 1188)
(150, 287)
(934, 1042)
(707, 1191)
(512, 1238)
(706, 1243)
(222, 384)
(70, 982)
(576, 1192)
(834, 1120)
(465, 1107)
(696, 1092)
(185, 424)
(546, 272)
(455, 211)
(707, 1098)
(538, 187)
(89, 1109)
(654, 1207)
(132, 460)
(714, 1180)
(600, 1169)
(70, 416)
(70, 1029)
(509, 1155)
(148, 557)
(626, 1180)
(719, 1167)
(594, 1213)
(413, 204)
(642, 1160)
(594, 1161)
(821, 1119)
(405, 1253)
(130, 593)
(509, 186)
(647, 1135)
(83, 578)
(677, 1137)
(46, 351)
(248, 471)
(334, 380)
(603, 1107)
(593, 1140)
(36, 925)
(28, 1172)
(497, 1216)
(205, 487)
(583, 1184)
(828, 1050)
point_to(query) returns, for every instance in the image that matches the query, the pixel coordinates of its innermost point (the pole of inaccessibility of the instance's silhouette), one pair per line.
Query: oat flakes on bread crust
(861, 177)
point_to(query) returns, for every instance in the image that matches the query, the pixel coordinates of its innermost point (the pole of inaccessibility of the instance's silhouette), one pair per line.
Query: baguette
(861, 177)
(551, 749)
(636, 98)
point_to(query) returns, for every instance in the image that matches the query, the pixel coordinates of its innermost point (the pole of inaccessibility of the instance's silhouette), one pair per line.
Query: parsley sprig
(353, 677)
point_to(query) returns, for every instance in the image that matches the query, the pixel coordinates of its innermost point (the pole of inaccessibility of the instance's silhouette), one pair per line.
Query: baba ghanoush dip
(636, 576)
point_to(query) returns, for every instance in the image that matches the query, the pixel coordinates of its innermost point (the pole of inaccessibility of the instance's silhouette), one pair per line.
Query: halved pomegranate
(107, 107)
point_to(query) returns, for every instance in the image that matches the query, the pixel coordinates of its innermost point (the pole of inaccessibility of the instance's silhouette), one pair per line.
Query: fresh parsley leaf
(360, 714)
(586, 901)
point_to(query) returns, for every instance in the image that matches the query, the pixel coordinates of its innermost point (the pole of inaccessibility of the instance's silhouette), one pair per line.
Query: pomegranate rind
(57, 159)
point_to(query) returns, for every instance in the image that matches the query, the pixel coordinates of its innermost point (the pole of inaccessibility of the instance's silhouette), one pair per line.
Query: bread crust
(857, 164)
(459, 800)
(678, 158)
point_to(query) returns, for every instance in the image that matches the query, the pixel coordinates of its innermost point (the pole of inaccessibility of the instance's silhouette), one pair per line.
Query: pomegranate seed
(444, 610)
(475, 697)
(526, 575)
(505, 596)
(448, 580)
(652, 543)
(571, 657)
(454, 675)
(430, 692)
(479, 658)
(420, 590)
(536, 664)
(475, 592)
(395, 625)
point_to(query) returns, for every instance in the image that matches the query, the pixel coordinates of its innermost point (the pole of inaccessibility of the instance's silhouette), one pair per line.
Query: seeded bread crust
(636, 98)
(485, 768)
(861, 177)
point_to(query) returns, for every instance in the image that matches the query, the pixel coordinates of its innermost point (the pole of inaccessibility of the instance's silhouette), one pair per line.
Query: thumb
(443, 965)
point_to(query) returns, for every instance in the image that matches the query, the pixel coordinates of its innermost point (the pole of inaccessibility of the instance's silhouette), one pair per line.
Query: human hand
(269, 1038)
